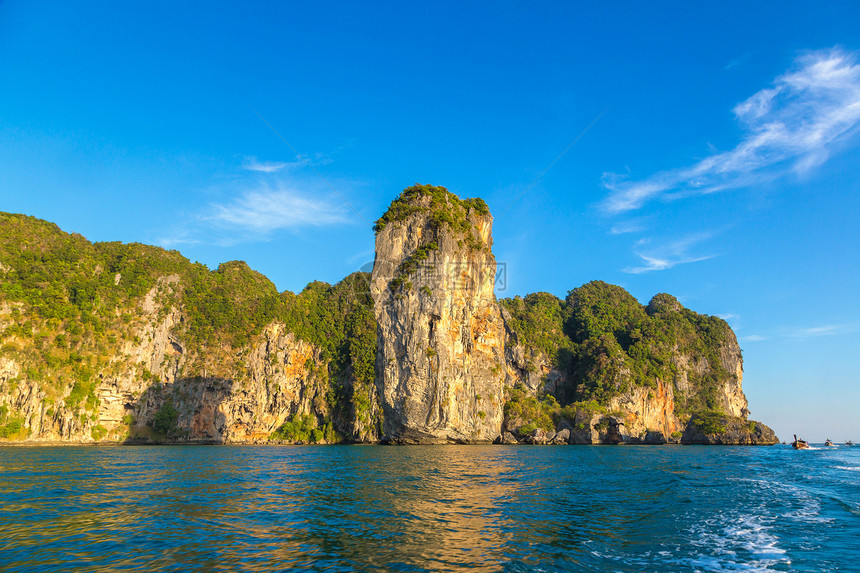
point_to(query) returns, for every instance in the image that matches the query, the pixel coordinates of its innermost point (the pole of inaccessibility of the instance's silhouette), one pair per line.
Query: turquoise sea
(429, 508)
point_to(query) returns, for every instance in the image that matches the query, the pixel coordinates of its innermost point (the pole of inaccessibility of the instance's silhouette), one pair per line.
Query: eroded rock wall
(441, 356)
(273, 379)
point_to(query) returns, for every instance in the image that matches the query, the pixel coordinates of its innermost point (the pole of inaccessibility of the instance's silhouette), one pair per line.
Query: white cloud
(737, 62)
(252, 164)
(255, 211)
(667, 255)
(625, 227)
(728, 316)
(789, 127)
(267, 209)
(805, 332)
(178, 238)
(823, 330)
(269, 167)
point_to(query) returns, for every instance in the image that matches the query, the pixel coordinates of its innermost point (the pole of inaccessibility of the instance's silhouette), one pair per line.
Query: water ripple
(428, 509)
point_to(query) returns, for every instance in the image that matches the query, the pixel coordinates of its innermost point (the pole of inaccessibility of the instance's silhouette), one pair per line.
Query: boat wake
(848, 468)
(730, 543)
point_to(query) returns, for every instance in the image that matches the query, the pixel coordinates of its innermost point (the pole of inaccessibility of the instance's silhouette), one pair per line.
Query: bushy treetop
(440, 205)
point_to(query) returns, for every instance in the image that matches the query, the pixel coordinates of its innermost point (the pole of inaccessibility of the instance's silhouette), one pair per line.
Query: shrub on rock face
(11, 427)
(708, 423)
(165, 419)
(524, 413)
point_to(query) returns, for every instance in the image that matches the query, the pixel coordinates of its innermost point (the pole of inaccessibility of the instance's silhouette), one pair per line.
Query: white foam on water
(754, 537)
(809, 509)
(722, 543)
(849, 468)
(809, 513)
(736, 543)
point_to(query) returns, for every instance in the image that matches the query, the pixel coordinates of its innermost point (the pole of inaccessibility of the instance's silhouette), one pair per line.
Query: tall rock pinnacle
(440, 359)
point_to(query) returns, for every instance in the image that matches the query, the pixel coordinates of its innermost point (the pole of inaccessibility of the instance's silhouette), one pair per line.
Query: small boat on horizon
(828, 442)
(799, 444)
(849, 443)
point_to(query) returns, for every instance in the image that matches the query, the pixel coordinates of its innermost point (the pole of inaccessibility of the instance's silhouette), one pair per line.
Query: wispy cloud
(270, 208)
(821, 330)
(791, 126)
(253, 164)
(630, 226)
(737, 62)
(805, 332)
(256, 210)
(734, 320)
(663, 256)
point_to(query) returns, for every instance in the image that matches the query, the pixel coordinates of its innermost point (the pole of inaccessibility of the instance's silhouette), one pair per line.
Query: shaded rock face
(727, 430)
(730, 397)
(441, 346)
(284, 377)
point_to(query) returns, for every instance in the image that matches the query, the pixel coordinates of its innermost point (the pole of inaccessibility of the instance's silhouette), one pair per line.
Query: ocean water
(430, 508)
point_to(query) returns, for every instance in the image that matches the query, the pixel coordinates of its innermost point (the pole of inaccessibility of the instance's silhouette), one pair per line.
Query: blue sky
(708, 150)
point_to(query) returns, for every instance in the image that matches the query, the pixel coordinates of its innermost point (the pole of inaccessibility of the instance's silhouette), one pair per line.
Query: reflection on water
(424, 508)
(255, 508)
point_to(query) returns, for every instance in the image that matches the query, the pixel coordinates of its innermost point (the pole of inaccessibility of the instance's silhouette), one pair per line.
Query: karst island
(134, 344)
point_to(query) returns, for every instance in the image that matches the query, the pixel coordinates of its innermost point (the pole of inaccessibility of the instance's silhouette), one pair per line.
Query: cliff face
(129, 343)
(618, 372)
(279, 377)
(649, 411)
(113, 342)
(284, 377)
(440, 362)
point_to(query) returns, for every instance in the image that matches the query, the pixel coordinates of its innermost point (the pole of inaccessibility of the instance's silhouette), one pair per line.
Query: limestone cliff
(112, 342)
(440, 362)
(107, 342)
(279, 377)
(618, 372)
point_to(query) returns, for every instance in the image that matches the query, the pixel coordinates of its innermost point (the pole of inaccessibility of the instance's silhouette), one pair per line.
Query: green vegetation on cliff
(339, 319)
(11, 427)
(538, 320)
(70, 310)
(530, 412)
(710, 423)
(441, 207)
(67, 306)
(411, 264)
(233, 302)
(607, 342)
(84, 290)
(304, 430)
